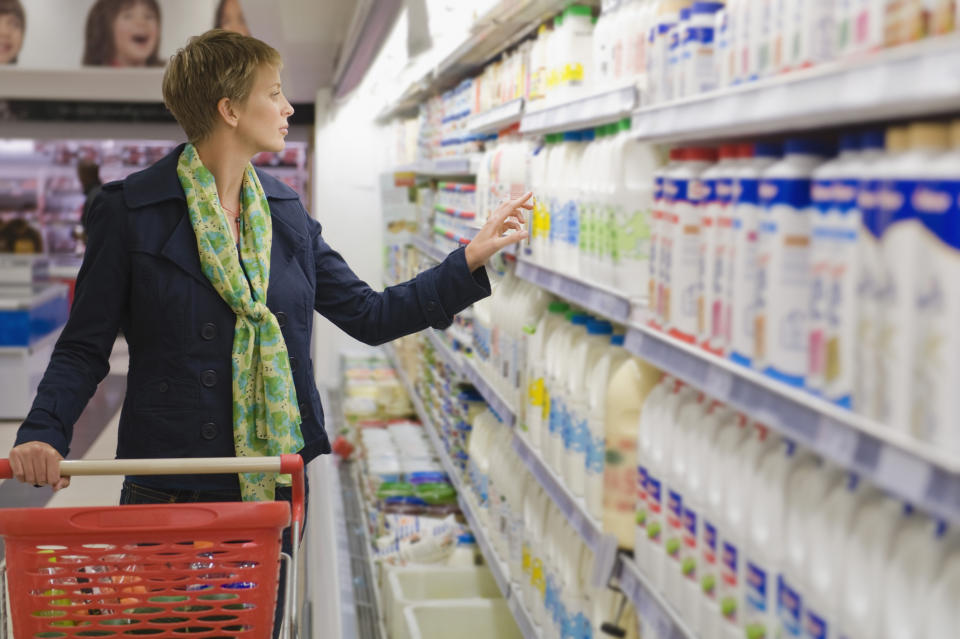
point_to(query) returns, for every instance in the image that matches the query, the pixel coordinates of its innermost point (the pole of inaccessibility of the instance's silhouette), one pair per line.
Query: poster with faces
(63, 34)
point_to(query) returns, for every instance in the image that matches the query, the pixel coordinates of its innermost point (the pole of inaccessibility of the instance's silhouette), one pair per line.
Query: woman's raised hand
(492, 237)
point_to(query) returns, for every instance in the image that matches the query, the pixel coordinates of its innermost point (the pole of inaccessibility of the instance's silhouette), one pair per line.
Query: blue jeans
(133, 493)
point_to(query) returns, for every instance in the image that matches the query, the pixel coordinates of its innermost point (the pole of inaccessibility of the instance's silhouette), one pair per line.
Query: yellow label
(537, 579)
(553, 78)
(546, 404)
(536, 392)
(527, 561)
(572, 73)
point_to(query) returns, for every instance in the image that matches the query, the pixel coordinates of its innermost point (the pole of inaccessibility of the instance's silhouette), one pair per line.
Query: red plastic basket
(158, 570)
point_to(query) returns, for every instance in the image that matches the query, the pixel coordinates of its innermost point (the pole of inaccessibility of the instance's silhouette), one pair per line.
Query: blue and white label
(756, 587)
(815, 626)
(789, 609)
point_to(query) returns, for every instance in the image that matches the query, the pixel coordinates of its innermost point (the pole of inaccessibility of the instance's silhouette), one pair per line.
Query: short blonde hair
(218, 64)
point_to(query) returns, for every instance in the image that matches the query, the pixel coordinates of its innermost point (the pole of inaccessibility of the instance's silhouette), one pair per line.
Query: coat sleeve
(81, 356)
(430, 299)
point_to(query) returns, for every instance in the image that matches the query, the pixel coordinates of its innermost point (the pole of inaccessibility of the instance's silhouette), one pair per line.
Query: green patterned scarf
(266, 419)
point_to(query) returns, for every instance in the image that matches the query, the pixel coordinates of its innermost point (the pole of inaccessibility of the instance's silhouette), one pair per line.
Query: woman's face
(263, 117)
(11, 37)
(231, 17)
(136, 32)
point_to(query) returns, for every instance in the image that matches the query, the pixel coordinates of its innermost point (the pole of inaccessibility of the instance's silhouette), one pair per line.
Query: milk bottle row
(693, 47)
(593, 201)
(749, 535)
(548, 563)
(830, 272)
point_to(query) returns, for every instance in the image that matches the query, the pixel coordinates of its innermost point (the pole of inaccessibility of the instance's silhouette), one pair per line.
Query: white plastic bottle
(783, 276)
(871, 272)
(900, 246)
(743, 274)
(585, 355)
(629, 385)
(807, 489)
(938, 305)
(597, 382)
(665, 548)
(735, 531)
(698, 426)
(535, 506)
(559, 408)
(633, 199)
(677, 469)
(766, 522)
(558, 345)
(550, 321)
(648, 510)
(723, 432)
(914, 567)
(830, 528)
(682, 252)
(942, 613)
(864, 566)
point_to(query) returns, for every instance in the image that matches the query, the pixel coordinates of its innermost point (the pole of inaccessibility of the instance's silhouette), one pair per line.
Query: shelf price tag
(836, 440)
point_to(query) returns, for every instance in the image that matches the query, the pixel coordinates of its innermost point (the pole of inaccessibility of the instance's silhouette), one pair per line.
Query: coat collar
(160, 183)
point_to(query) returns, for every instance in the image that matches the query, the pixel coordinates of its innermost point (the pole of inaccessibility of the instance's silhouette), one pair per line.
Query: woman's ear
(227, 112)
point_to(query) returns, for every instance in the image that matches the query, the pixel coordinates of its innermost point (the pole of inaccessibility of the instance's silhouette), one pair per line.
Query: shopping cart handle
(286, 464)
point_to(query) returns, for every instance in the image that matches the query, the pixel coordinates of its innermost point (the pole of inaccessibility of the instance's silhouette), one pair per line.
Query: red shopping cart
(158, 570)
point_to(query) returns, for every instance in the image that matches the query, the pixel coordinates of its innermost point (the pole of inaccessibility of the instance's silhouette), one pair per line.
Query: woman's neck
(227, 164)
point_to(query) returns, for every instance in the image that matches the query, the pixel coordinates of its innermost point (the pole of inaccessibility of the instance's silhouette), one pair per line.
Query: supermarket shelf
(427, 247)
(914, 471)
(467, 507)
(571, 507)
(496, 401)
(499, 570)
(597, 108)
(504, 25)
(453, 360)
(907, 81)
(650, 605)
(453, 167)
(497, 118)
(600, 300)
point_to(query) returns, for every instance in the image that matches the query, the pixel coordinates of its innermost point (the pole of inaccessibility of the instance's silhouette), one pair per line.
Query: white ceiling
(308, 33)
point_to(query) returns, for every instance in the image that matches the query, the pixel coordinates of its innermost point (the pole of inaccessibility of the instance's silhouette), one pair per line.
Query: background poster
(55, 31)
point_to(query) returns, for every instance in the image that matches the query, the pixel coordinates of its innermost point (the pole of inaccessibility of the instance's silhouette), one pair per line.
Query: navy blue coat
(141, 273)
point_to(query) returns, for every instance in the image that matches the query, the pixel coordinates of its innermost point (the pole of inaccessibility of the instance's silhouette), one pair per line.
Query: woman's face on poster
(232, 19)
(136, 32)
(11, 37)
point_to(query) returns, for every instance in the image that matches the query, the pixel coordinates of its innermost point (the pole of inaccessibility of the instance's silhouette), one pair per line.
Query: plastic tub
(408, 585)
(460, 618)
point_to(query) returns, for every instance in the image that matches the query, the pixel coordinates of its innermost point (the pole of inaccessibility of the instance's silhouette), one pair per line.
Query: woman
(213, 271)
(13, 22)
(123, 33)
(230, 16)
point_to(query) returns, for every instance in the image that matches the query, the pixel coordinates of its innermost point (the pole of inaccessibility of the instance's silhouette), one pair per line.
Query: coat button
(282, 319)
(209, 331)
(293, 364)
(163, 387)
(431, 306)
(209, 378)
(209, 431)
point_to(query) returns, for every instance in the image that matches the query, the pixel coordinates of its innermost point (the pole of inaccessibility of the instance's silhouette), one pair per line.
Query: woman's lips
(141, 40)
